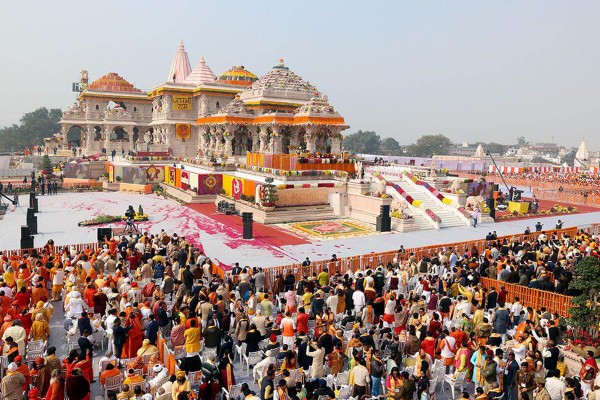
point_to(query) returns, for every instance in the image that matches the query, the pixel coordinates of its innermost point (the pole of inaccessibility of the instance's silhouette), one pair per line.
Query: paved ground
(60, 214)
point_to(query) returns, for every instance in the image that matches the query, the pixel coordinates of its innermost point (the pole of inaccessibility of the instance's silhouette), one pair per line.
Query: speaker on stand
(384, 221)
(490, 203)
(247, 224)
(104, 232)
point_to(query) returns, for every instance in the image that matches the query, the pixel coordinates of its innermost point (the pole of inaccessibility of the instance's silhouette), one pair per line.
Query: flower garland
(433, 216)
(307, 185)
(427, 186)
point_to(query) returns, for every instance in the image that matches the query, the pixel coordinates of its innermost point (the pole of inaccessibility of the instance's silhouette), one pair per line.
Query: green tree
(33, 128)
(390, 147)
(363, 142)
(429, 145)
(540, 160)
(493, 147)
(568, 158)
(521, 141)
(46, 164)
(585, 312)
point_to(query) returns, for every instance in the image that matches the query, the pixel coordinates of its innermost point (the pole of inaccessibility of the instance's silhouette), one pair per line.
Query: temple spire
(180, 67)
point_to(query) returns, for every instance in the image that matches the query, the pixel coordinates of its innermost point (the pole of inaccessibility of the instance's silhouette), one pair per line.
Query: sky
(471, 70)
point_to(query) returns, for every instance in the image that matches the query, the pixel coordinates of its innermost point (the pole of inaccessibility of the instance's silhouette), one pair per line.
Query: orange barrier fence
(374, 259)
(524, 182)
(568, 196)
(534, 298)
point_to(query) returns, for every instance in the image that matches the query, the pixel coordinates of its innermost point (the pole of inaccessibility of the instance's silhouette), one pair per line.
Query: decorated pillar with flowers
(255, 141)
(264, 140)
(276, 141)
(336, 142)
(311, 139)
(228, 146)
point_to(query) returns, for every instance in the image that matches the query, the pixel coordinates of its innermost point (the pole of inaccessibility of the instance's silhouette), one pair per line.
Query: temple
(196, 114)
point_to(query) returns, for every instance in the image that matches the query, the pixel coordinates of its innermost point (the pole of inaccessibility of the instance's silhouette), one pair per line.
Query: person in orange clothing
(109, 372)
(132, 377)
(86, 367)
(22, 368)
(135, 336)
(57, 387)
(39, 293)
(112, 244)
(88, 294)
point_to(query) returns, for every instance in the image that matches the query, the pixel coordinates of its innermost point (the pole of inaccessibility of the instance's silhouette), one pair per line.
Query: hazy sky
(471, 70)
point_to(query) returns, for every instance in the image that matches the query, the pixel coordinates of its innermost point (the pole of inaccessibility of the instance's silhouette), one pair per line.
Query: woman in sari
(226, 377)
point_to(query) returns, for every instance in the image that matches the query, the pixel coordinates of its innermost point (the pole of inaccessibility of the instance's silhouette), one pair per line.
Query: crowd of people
(399, 330)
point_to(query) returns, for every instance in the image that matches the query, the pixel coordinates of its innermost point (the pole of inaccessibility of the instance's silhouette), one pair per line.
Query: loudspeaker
(384, 211)
(26, 238)
(102, 232)
(247, 222)
(383, 224)
(490, 204)
(31, 199)
(32, 221)
(35, 205)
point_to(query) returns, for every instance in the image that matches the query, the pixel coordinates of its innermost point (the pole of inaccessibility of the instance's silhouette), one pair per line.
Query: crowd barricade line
(534, 298)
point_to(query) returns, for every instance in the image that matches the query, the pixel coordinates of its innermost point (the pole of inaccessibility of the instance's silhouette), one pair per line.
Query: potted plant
(269, 195)
(585, 312)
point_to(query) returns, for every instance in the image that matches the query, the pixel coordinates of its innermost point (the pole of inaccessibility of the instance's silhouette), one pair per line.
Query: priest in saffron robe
(135, 336)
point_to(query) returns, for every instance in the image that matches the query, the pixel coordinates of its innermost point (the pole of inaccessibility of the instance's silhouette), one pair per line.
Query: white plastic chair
(113, 384)
(342, 379)
(234, 392)
(253, 358)
(241, 351)
(459, 381)
(344, 392)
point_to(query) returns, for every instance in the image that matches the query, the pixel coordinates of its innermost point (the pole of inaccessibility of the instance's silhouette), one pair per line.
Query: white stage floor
(59, 215)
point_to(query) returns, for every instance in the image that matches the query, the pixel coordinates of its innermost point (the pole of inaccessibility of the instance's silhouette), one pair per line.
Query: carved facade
(197, 114)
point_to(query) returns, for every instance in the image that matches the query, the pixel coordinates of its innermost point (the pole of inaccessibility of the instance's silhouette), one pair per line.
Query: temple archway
(75, 135)
(119, 134)
(97, 133)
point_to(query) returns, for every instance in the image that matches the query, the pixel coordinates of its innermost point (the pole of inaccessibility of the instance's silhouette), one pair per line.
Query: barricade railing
(534, 298)
(579, 197)
(93, 246)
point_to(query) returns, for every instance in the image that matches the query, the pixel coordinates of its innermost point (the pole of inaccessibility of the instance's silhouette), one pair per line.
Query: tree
(585, 312)
(390, 147)
(540, 160)
(367, 142)
(568, 158)
(33, 128)
(495, 148)
(46, 164)
(521, 142)
(429, 145)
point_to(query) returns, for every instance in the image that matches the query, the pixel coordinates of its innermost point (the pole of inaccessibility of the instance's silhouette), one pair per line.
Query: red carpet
(546, 205)
(271, 236)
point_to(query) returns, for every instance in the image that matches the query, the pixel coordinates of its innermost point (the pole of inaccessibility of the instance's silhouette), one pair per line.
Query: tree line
(369, 142)
(33, 127)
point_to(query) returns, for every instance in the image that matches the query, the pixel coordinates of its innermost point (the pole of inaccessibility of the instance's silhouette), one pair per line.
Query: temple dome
(113, 82)
(200, 74)
(280, 78)
(238, 76)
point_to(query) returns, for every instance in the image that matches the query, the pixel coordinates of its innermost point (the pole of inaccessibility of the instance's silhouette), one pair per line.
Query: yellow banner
(182, 103)
(183, 131)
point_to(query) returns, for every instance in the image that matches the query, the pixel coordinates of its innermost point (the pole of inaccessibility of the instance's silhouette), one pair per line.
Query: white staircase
(448, 217)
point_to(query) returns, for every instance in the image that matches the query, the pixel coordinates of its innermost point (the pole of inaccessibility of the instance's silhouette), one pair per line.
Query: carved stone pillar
(311, 139)
(255, 141)
(264, 140)
(228, 147)
(294, 142)
(276, 142)
(336, 142)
